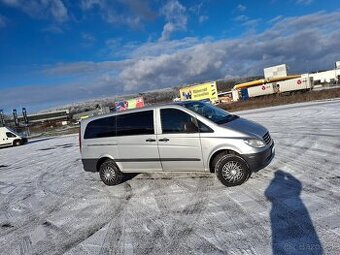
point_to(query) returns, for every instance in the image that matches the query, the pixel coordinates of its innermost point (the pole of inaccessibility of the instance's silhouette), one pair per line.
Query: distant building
(47, 116)
(87, 114)
(337, 64)
(330, 76)
(275, 71)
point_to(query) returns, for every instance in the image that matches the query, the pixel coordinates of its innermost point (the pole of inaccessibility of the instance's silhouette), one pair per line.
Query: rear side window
(105, 127)
(139, 123)
(176, 121)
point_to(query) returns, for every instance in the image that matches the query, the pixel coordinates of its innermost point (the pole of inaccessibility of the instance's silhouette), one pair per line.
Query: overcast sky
(54, 52)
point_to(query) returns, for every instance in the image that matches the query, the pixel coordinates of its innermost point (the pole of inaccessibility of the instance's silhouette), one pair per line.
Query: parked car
(8, 137)
(181, 137)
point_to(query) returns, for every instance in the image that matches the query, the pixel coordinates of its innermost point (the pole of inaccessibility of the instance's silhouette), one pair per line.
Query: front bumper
(258, 161)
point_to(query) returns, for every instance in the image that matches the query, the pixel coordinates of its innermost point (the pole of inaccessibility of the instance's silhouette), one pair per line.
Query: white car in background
(8, 137)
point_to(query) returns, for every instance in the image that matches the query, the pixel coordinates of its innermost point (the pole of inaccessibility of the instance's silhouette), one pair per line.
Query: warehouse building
(330, 76)
(55, 116)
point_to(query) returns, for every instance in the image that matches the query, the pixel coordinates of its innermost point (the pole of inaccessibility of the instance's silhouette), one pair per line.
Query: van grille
(267, 139)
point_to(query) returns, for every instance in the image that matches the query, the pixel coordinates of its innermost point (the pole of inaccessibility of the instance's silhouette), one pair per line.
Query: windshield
(209, 111)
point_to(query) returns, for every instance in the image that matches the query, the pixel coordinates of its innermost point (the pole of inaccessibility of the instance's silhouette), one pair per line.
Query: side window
(9, 134)
(139, 123)
(105, 127)
(204, 128)
(176, 121)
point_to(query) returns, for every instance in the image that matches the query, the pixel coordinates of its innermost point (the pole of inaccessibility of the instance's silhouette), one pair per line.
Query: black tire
(16, 143)
(231, 170)
(110, 174)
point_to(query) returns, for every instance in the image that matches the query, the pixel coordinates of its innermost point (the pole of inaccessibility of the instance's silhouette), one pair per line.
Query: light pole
(24, 115)
(2, 118)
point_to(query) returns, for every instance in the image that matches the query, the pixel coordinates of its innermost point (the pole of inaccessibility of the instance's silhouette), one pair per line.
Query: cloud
(58, 10)
(203, 18)
(89, 4)
(3, 22)
(287, 41)
(196, 8)
(200, 62)
(161, 64)
(40, 9)
(54, 29)
(199, 11)
(88, 39)
(247, 22)
(141, 8)
(51, 95)
(242, 18)
(175, 17)
(132, 50)
(87, 68)
(304, 2)
(276, 19)
(154, 49)
(132, 13)
(241, 8)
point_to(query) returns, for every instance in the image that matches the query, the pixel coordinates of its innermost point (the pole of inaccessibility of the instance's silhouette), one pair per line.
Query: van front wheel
(110, 173)
(16, 143)
(231, 170)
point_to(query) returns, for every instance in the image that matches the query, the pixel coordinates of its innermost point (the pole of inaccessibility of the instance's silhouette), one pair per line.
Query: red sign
(299, 82)
(263, 87)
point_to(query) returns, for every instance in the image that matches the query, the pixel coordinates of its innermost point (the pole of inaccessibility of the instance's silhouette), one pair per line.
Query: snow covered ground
(49, 205)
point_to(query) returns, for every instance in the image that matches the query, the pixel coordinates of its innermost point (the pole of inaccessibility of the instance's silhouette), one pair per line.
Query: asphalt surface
(49, 205)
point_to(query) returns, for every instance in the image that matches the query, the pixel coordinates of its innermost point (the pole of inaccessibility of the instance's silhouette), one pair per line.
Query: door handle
(164, 140)
(150, 140)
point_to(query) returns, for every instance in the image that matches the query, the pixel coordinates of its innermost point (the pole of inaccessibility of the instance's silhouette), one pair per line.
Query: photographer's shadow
(292, 228)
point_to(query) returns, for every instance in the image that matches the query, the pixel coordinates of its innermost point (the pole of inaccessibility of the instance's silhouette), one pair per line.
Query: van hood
(246, 126)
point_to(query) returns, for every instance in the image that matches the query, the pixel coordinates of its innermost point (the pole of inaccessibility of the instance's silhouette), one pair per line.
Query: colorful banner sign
(129, 104)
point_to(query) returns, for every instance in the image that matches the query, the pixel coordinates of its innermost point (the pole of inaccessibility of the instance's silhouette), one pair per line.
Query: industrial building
(56, 116)
(330, 76)
(277, 80)
(87, 114)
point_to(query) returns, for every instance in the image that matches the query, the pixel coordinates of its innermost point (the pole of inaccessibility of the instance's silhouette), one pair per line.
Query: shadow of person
(292, 228)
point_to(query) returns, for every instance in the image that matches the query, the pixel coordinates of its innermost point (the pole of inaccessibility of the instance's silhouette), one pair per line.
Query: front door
(7, 139)
(179, 142)
(5, 142)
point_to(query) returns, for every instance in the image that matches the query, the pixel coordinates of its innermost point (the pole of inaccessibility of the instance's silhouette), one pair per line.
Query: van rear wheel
(109, 173)
(231, 170)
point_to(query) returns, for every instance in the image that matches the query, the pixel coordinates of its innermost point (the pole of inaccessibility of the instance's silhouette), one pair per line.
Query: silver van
(181, 137)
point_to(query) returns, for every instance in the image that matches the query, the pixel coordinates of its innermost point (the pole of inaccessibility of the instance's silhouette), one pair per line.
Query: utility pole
(24, 115)
(15, 117)
(2, 118)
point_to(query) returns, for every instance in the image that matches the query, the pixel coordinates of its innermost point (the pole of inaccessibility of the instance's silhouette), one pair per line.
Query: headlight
(254, 143)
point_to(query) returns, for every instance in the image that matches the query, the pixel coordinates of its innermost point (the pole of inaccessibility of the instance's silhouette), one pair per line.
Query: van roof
(4, 128)
(150, 107)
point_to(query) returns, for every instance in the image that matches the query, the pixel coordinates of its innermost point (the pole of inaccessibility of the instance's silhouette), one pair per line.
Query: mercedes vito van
(181, 137)
(8, 137)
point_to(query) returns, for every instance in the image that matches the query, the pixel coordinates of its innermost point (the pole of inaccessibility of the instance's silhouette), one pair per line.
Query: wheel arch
(217, 153)
(102, 159)
(15, 141)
